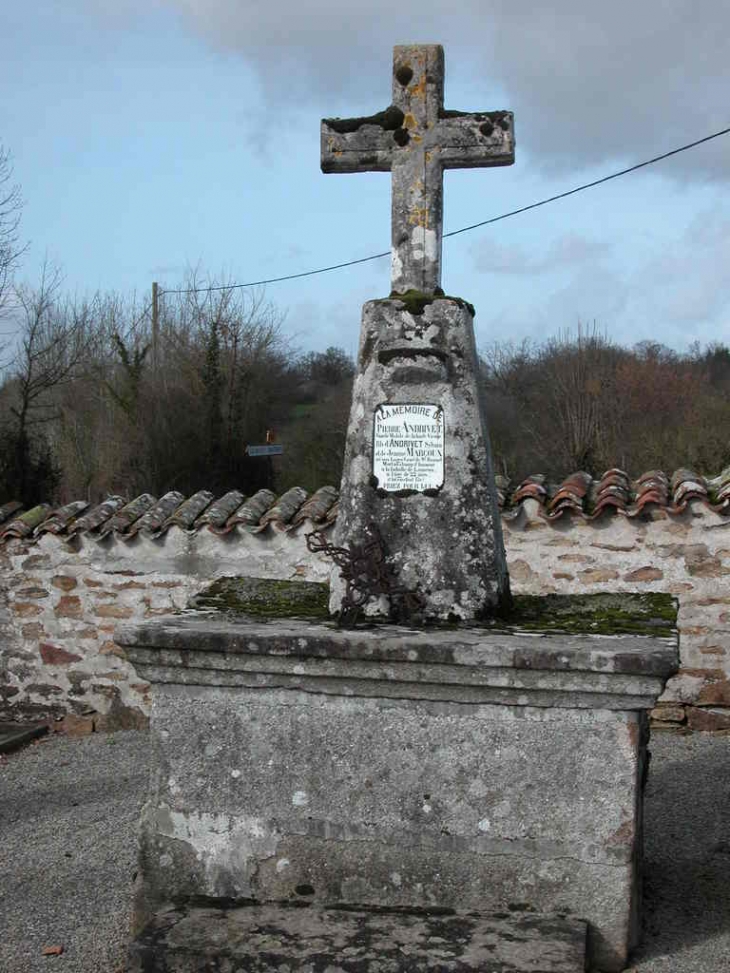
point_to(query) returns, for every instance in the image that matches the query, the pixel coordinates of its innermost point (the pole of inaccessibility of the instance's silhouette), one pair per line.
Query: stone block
(597, 575)
(708, 720)
(644, 574)
(75, 726)
(26, 609)
(65, 582)
(114, 611)
(668, 713)
(69, 606)
(275, 937)
(716, 691)
(53, 654)
(33, 591)
(468, 769)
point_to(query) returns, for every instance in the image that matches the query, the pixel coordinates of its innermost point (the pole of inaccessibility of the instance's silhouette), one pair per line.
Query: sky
(152, 136)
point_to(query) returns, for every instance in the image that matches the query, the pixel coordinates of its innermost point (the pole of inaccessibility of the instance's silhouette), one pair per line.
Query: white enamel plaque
(408, 447)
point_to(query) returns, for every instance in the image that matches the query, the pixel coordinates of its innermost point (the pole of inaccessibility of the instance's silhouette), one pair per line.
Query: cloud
(566, 251)
(591, 84)
(674, 294)
(684, 286)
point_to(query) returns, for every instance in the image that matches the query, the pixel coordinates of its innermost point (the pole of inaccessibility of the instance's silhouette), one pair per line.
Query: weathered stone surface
(270, 938)
(446, 546)
(376, 768)
(645, 573)
(34, 591)
(716, 691)
(390, 803)
(56, 655)
(416, 140)
(668, 713)
(65, 582)
(115, 611)
(75, 726)
(26, 609)
(708, 720)
(69, 606)
(597, 576)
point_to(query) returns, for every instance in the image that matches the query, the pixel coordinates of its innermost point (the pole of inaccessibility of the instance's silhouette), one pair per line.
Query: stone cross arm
(416, 139)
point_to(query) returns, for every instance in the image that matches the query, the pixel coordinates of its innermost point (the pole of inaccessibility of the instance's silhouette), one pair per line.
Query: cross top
(415, 140)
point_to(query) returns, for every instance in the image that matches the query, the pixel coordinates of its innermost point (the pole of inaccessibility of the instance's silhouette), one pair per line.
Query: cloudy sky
(153, 135)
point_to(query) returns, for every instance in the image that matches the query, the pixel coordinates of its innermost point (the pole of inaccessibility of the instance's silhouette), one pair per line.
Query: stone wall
(60, 600)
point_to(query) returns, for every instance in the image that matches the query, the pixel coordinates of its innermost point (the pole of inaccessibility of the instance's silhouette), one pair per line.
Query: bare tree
(51, 346)
(11, 205)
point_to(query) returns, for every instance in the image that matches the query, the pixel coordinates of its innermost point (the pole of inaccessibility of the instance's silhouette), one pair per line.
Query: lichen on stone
(389, 120)
(265, 598)
(607, 613)
(500, 118)
(416, 301)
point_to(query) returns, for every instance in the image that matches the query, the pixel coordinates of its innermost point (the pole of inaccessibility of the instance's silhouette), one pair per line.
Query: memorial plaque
(408, 447)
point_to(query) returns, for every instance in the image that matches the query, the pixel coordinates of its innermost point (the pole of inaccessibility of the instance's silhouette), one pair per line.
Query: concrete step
(16, 735)
(263, 938)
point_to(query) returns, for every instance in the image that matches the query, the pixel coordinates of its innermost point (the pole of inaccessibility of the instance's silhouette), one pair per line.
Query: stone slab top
(608, 613)
(227, 631)
(259, 938)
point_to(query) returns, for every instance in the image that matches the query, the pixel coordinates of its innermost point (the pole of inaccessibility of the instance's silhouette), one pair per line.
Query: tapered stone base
(444, 543)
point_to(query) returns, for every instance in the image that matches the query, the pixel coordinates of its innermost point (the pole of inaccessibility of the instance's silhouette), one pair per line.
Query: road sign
(274, 450)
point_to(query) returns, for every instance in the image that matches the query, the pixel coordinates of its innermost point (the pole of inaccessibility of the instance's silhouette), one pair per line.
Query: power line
(590, 185)
(464, 229)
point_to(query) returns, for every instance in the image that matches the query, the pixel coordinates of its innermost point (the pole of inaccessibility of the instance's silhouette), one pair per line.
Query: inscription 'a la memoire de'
(408, 447)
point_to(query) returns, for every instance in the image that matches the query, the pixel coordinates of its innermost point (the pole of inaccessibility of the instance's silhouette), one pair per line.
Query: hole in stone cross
(486, 129)
(304, 890)
(404, 74)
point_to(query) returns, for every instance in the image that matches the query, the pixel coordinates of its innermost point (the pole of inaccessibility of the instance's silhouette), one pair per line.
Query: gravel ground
(68, 812)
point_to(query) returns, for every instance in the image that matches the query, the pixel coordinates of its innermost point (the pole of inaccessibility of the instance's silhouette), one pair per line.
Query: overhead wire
(463, 229)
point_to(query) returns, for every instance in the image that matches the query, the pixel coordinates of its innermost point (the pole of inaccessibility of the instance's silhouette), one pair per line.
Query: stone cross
(416, 140)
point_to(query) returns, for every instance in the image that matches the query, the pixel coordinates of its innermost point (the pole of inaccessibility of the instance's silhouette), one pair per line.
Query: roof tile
(316, 508)
(578, 494)
(249, 514)
(97, 516)
(130, 512)
(151, 522)
(284, 509)
(217, 514)
(8, 509)
(26, 523)
(59, 521)
(189, 511)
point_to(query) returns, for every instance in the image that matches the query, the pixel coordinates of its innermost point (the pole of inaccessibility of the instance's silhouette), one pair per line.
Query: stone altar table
(470, 768)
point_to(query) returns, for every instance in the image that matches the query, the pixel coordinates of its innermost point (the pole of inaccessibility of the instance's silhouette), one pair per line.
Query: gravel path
(68, 812)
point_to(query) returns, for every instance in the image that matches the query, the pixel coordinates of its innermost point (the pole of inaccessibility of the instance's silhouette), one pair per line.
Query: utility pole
(155, 326)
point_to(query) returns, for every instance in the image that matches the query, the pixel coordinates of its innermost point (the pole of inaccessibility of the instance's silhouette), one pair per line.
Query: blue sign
(264, 450)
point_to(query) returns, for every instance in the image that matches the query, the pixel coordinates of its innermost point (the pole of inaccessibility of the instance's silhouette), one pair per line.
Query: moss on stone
(501, 118)
(266, 598)
(417, 301)
(602, 614)
(389, 120)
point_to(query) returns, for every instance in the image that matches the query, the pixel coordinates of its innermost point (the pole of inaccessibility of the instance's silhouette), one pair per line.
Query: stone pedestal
(438, 516)
(465, 769)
